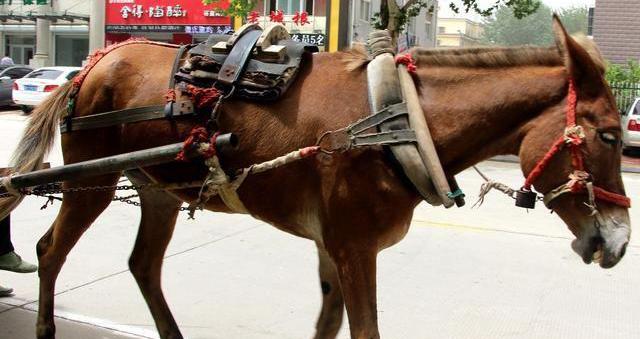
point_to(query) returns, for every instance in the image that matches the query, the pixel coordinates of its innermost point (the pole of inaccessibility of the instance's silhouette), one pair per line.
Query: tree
(504, 28)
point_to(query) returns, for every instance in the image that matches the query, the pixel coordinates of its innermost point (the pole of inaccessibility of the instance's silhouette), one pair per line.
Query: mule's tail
(37, 140)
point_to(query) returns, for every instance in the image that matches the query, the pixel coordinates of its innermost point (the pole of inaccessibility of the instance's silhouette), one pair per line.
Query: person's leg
(9, 260)
(5, 247)
(5, 236)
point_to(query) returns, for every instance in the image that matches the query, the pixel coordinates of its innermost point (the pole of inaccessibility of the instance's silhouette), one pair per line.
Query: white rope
(488, 186)
(6, 182)
(218, 183)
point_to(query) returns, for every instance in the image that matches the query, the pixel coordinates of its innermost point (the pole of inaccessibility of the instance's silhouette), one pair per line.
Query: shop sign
(208, 29)
(310, 38)
(164, 13)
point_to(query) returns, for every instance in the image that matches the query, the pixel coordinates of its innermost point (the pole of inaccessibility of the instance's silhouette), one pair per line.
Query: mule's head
(603, 236)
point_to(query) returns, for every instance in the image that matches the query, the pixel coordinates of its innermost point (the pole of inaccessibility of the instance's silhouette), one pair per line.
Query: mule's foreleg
(331, 315)
(77, 213)
(356, 266)
(159, 214)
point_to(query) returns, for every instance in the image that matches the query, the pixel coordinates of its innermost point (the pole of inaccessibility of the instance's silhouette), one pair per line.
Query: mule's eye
(608, 138)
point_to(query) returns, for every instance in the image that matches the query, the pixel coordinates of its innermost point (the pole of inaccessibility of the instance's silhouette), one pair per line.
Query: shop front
(306, 20)
(178, 22)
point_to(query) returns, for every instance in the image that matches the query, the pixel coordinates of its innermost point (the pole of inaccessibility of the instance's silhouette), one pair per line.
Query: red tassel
(203, 97)
(197, 135)
(407, 60)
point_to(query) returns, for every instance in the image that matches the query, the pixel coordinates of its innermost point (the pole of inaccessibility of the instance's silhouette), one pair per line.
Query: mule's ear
(577, 60)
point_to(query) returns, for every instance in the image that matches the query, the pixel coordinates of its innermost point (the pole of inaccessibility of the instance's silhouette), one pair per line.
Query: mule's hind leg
(331, 315)
(159, 214)
(77, 213)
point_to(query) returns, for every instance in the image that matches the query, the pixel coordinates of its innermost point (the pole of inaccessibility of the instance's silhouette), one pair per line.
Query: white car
(34, 87)
(631, 127)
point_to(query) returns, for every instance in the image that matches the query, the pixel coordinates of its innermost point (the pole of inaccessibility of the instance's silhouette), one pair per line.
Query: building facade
(616, 29)
(45, 32)
(420, 30)
(458, 32)
(63, 32)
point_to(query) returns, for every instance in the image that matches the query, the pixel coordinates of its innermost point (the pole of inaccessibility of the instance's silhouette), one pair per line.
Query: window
(71, 50)
(290, 6)
(590, 21)
(45, 74)
(365, 10)
(17, 73)
(72, 74)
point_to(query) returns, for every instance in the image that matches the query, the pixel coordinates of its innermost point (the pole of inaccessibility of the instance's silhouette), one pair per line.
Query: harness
(579, 180)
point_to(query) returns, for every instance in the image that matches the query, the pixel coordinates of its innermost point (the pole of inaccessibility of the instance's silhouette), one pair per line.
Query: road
(490, 272)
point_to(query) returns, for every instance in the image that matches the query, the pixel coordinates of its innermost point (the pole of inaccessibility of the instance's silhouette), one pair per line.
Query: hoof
(46, 332)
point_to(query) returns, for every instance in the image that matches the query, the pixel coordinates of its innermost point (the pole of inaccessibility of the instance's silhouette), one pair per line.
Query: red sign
(165, 12)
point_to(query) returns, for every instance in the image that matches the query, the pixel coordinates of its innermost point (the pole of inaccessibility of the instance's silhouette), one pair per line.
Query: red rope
(542, 164)
(101, 53)
(309, 151)
(203, 97)
(572, 103)
(611, 197)
(574, 140)
(197, 135)
(211, 151)
(170, 96)
(407, 60)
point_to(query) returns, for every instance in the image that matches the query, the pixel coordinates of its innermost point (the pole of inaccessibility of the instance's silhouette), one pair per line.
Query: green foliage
(506, 29)
(237, 8)
(403, 16)
(617, 73)
(521, 8)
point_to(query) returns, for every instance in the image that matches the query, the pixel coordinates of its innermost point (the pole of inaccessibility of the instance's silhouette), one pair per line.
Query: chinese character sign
(253, 17)
(165, 12)
(277, 16)
(301, 19)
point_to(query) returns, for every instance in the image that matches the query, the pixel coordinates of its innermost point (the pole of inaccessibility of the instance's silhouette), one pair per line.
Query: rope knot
(197, 135)
(407, 60)
(574, 135)
(578, 180)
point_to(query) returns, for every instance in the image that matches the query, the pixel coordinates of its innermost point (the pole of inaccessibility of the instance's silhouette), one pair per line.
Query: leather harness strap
(237, 59)
(127, 115)
(168, 108)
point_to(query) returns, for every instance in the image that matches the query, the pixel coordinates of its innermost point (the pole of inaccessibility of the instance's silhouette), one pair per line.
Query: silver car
(8, 74)
(631, 127)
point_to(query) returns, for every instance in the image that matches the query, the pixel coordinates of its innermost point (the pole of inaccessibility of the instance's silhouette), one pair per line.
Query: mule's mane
(488, 57)
(485, 57)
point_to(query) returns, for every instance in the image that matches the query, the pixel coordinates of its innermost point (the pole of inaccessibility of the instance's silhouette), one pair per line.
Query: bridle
(579, 180)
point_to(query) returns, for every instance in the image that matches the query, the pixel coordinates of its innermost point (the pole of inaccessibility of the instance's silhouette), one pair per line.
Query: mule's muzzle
(605, 245)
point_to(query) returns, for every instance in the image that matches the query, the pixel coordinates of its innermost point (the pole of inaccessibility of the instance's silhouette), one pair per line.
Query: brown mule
(354, 204)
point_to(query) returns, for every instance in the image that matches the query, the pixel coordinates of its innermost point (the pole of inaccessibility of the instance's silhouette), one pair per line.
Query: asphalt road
(491, 272)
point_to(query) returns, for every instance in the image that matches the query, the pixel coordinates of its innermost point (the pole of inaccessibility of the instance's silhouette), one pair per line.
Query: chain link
(48, 191)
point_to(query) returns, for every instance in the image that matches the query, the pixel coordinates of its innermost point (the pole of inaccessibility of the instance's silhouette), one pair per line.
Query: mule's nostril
(623, 250)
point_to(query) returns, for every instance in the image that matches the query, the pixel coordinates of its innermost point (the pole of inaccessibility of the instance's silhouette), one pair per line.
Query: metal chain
(48, 191)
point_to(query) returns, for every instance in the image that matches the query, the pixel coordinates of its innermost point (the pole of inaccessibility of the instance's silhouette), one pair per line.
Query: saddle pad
(261, 80)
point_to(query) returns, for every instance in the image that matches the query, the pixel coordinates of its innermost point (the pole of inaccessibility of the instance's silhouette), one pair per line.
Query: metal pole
(113, 164)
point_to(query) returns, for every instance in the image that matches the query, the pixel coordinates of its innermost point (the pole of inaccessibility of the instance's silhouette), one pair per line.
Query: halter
(579, 180)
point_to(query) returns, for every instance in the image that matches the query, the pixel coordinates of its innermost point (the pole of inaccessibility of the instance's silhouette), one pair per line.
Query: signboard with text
(164, 16)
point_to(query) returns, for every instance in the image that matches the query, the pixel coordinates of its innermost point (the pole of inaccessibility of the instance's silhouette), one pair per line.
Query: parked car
(8, 74)
(37, 85)
(631, 127)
